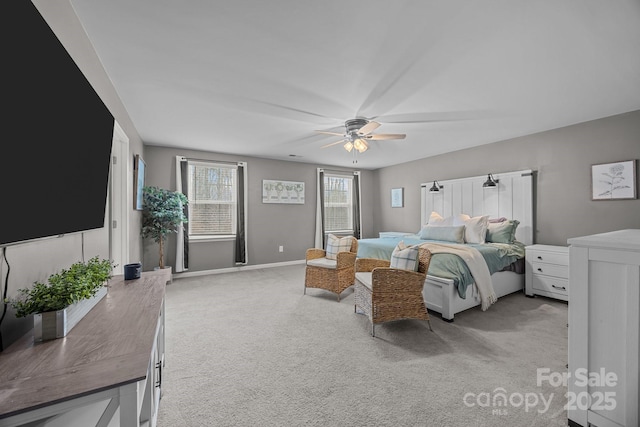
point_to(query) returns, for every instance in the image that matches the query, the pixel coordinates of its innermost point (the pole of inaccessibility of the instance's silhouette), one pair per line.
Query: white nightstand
(395, 234)
(547, 271)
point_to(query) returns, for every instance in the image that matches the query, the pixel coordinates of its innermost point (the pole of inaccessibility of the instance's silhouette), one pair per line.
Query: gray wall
(269, 225)
(562, 159)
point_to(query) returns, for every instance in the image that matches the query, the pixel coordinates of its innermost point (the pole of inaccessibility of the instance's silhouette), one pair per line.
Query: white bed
(513, 199)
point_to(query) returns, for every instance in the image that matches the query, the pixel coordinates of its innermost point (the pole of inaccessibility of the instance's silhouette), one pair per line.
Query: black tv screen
(57, 136)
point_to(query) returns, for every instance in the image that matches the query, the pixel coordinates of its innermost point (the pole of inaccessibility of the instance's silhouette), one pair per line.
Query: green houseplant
(79, 282)
(162, 214)
(60, 303)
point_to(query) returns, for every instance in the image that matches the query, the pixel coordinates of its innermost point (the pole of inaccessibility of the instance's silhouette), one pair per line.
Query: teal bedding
(447, 266)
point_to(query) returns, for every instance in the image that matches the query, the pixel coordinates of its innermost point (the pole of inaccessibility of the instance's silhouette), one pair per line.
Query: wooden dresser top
(109, 347)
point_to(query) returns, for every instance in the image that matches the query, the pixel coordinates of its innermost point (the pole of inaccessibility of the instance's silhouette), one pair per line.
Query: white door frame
(120, 199)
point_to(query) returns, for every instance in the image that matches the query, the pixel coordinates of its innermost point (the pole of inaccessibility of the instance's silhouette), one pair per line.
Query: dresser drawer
(551, 284)
(550, 257)
(560, 271)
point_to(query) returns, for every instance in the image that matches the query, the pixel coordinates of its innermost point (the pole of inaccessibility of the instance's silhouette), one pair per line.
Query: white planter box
(57, 324)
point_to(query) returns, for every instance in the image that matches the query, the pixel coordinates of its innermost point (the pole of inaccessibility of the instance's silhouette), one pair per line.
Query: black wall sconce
(436, 187)
(490, 182)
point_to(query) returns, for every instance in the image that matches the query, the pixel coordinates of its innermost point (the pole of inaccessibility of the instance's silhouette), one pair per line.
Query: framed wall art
(614, 181)
(291, 192)
(397, 197)
(138, 184)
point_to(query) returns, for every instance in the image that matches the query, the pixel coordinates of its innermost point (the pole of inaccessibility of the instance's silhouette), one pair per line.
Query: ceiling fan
(358, 132)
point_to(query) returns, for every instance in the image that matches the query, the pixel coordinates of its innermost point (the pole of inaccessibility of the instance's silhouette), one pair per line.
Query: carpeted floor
(249, 349)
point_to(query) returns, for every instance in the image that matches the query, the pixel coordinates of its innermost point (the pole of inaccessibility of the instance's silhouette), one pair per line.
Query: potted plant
(162, 214)
(60, 303)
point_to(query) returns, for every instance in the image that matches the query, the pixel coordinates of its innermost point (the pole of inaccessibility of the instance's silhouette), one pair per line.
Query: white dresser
(106, 371)
(604, 335)
(547, 271)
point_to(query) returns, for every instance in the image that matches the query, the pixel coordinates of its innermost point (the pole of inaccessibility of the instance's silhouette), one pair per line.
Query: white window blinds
(212, 196)
(338, 203)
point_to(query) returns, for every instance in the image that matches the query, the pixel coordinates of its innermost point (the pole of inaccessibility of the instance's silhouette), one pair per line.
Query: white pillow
(461, 219)
(475, 229)
(405, 257)
(336, 244)
(436, 220)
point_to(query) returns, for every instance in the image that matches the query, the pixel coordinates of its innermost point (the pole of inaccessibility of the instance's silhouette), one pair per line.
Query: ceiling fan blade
(330, 133)
(333, 143)
(384, 136)
(432, 117)
(368, 128)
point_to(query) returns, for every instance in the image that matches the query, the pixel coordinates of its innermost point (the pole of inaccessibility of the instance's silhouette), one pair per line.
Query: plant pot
(57, 324)
(166, 268)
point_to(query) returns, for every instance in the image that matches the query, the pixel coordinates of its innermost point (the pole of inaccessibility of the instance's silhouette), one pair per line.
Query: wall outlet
(280, 248)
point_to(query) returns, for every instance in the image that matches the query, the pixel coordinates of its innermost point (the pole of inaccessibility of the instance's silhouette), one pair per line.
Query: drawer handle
(559, 287)
(159, 380)
(539, 269)
(539, 257)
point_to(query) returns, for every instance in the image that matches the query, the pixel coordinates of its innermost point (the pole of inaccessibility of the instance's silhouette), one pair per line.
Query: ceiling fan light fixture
(357, 133)
(360, 145)
(354, 125)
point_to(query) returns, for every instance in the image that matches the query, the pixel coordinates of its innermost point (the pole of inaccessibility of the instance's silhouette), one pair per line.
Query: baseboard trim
(186, 274)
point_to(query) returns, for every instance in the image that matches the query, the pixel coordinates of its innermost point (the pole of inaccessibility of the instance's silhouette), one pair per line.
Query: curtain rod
(339, 171)
(210, 161)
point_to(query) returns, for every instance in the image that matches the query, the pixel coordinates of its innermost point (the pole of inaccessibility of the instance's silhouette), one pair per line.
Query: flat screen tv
(57, 136)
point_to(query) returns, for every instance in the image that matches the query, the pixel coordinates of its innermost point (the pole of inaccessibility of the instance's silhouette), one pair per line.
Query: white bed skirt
(441, 295)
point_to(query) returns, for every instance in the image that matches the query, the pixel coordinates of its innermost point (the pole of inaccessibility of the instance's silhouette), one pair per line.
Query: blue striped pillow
(405, 257)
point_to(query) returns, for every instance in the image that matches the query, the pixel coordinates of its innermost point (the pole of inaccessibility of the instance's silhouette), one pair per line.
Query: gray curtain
(241, 246)
(356, 205)
(321, 195)
(184, 173)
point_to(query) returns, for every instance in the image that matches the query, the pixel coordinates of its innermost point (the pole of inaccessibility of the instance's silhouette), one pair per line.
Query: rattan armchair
(384, 293)
(331, 275)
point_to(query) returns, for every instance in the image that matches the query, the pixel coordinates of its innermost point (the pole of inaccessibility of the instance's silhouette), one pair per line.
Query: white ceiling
(258, 77)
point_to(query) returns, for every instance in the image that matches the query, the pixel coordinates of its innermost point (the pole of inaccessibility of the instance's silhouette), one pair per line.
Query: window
(338, 206)
(212, 193)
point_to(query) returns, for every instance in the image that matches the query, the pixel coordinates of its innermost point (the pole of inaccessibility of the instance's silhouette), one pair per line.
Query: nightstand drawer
(550, 257)
(550, 284)
(547, 271)
(559, 271)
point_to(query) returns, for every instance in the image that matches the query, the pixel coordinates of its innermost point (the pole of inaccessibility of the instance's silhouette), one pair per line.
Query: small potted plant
(162, 214)
(60, 303)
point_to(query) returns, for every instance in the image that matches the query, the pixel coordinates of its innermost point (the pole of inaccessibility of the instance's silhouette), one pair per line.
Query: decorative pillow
(447, 234)
(460, 219)
(501, 219)
(337, 244)
(475, 229)
(436, 220)
(405, 257)
(502, 232)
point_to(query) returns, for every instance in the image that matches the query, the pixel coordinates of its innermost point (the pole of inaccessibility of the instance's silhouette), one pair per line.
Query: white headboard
(513, 199)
